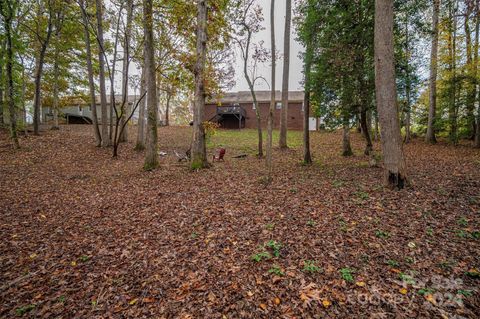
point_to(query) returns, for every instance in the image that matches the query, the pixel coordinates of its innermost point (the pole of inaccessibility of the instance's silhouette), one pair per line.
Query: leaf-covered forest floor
(86, 236)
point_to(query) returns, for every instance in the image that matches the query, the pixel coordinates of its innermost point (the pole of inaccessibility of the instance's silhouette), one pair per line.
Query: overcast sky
(296, 65)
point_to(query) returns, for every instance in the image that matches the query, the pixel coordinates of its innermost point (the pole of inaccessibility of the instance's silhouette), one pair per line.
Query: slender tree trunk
(126, 64)
(286, 77)
(347, 148)
(386, 96)
(167, 109)
(151, 156)
(141, 113)
(37, 102)
(471, 84)
(408, 85)
(307, 157)
(55, 125)
(91, 83)
(7, 12)
(101, 64)
(113, 102)
(475, 71)
(199, 151)
(272, 93)
(452, 48)
(430, 136)
(2, 83)
(365, 130)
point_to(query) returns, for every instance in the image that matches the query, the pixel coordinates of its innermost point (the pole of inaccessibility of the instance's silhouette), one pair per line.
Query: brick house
(236, 110)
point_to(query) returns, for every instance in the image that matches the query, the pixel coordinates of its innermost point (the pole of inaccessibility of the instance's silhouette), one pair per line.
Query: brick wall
(295, 115)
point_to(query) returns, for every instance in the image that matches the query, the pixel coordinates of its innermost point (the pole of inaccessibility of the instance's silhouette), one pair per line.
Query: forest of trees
(393, 70)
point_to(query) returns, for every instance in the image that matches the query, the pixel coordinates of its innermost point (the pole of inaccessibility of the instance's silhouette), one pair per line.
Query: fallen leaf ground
(87, 236)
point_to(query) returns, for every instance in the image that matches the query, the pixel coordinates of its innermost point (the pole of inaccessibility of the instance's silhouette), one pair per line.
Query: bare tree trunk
(307, 157)
(430, 136)
(386, 96)
(91, 83)
(167, 108)
(141, 114)
(408, 84)
(272, 94)
(475, 72)
(113, 102)
(55, 125)
(7, 12)
(2, 100)
(151, 156)
(126, 64)
(37, 102)
(101, 64)
(365, 130)
(347, 148)
(286, 77)
(199, 151)
(452, 48)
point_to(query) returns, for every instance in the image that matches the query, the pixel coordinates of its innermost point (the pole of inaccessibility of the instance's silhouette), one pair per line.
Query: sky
(296, 63)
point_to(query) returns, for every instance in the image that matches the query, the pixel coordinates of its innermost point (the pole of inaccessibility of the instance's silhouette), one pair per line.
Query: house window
(278, 105)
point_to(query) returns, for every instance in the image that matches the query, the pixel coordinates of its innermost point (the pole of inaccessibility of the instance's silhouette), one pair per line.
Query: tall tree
(126, 63)
(44, 41)
(140, 145)
(199, 152)
(101, 79)
(286, 76)
(272, 93)
(386, 96)
(91, 83)
(249, 19)
(7, 10)
(151, 156)
(430, 136)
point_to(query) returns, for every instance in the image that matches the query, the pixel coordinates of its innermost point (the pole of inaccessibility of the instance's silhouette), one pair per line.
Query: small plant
(465, 293)
(476, 234)
(463, 234)
(426, 291)
(429, 232)
(269, 226)
(382, 234)
(211, 129)
(23, 310)
(343, 225)
(61, 299)
(311, 223)
(337, 183)
(406, 278)
(409, 260)
(347, 274)
(462, 222)
(473, 273)
(362, 195)
(261, 256)
(393, 263)
(293, 190)
(275, 246)
(84, 258)
(309, 266)
(276, 270)
(194, 235)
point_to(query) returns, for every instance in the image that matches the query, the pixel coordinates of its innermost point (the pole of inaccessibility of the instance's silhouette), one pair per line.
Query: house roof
(262, 96)
(77, 100)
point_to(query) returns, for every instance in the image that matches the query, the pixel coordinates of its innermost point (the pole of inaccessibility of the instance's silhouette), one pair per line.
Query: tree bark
(167, 109)
(199, 151)
(272, 93)
(430, 136)
(37, 102)
(91, 83)
(452, 48)
(286, 76)
(347, 148)
(101, 64)
(307, 157)
(408, 85)
(386, 96)
(151, 156)
(141, 113)
(2, 83)
(126, 64)
(7, 11)
(55, 125)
